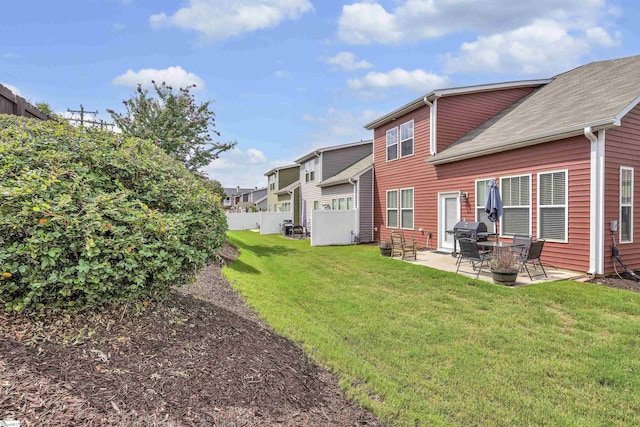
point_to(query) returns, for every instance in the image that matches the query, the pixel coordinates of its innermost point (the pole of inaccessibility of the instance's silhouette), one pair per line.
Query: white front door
(448, 216)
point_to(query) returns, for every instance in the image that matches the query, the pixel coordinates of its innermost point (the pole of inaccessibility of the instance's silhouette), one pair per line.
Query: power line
(101, 123)
(82, 112)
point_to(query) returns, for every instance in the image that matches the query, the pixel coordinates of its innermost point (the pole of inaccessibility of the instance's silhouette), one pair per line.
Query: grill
(471, 230)
(468, 229)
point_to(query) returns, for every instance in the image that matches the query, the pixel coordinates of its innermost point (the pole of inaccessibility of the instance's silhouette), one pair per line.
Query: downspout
(357, 203)
(596, 240)
(433, 109)
(293, 206)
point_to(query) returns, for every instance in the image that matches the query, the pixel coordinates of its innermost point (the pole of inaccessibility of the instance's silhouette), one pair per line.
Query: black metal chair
(524, 243)
(469, 252)
(533, 256)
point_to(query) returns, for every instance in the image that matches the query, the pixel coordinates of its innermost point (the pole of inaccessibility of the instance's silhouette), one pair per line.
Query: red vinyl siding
(622, 148)
(572, 154)
(459, 115)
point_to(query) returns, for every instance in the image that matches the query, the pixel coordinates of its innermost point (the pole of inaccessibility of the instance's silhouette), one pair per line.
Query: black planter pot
(385, 251)
(507, 278)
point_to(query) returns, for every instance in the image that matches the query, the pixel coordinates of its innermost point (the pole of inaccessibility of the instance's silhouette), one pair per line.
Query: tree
(175, 122)
(215, 186)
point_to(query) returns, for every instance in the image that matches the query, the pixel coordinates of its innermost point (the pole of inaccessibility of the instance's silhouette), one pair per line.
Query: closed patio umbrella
(304, 213)
(493, 205)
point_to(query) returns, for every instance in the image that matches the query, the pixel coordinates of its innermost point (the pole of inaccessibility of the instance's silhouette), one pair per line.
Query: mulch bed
(625, 281)
(200, 358)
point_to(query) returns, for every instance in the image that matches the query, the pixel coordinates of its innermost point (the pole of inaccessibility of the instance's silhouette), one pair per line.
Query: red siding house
(563, 150)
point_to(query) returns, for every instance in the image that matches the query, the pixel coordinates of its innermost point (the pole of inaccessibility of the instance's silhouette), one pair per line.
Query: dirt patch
(199, 358)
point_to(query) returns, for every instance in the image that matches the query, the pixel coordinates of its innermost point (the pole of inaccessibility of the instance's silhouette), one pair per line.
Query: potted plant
(385, 248)
(504, 267)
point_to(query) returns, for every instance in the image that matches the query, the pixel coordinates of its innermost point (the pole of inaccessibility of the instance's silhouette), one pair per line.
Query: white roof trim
(413, 105)
(626, 110)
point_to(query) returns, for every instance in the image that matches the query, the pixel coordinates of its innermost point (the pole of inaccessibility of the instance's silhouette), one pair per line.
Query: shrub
(89, 218)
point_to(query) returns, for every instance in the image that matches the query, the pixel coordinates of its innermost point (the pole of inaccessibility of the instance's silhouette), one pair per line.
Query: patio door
(448, 216)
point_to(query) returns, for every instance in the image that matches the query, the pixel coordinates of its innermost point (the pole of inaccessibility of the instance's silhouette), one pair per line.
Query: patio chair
(401, 246)
(533, 256)
(469, 252)
(525, 242)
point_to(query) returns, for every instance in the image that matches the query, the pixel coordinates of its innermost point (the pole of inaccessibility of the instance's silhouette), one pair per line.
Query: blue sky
(288, 76)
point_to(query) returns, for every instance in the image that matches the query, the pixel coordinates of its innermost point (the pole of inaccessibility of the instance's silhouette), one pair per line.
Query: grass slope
(420, 346)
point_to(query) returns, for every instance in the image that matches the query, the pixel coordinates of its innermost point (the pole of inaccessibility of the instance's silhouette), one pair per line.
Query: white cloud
(369, 22)
(244, 168)
(282, 74)
(12, 88)
(173, 76)
(336, 127)
(10, 55)
(415, 80)
(542, 48)
(347, 61)
(118, 27)
(219, 19)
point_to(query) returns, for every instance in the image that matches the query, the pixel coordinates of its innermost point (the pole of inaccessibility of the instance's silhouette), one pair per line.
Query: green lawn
(420, 346)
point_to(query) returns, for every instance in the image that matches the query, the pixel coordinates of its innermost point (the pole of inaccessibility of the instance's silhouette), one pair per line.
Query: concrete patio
(445, 262)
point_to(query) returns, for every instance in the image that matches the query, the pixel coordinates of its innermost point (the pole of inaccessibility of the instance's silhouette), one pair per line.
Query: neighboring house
(283, 193)
(322, 164)
(233, 197)
(248, 199)
(351, 188)
(261, 204)
(564, 153)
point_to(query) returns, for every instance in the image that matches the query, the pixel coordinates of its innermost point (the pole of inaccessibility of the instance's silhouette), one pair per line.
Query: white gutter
(433, 146)
(596, 219)
(357, 210)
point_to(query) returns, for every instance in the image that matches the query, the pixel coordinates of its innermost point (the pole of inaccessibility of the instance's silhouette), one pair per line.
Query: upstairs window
(272, 182)
(309, 170)
(406, 139)
(516, 200)
(552, 206)
(392, 144)
(626, 204)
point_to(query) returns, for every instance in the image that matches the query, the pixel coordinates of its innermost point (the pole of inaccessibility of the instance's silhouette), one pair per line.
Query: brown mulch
(200, 358)
(625, 281)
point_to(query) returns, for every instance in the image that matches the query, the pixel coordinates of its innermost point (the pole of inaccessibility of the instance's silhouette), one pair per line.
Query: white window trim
(400, 209)
(482, 203)
(413, 137)
(629, 168)
(397, 144)
(397, 209)
(566, 206)
(530, 207)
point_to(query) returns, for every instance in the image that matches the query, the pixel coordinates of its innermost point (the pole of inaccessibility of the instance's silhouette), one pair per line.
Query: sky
(288, 76)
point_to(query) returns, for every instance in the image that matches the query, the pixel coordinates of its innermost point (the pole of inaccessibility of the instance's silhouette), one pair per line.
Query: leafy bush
(89, 218)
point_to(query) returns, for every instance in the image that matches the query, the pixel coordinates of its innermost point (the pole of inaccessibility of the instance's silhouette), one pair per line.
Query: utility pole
(102, 124)
(82, 112)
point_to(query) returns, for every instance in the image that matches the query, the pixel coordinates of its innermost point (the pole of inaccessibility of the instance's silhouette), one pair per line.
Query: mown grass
(420, 346)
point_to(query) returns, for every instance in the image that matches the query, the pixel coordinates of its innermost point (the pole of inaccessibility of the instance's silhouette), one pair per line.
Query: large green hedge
(89, 218)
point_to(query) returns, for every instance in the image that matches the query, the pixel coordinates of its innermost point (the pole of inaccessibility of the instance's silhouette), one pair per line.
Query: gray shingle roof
(351, 172)
(595, 95)
(288, 188)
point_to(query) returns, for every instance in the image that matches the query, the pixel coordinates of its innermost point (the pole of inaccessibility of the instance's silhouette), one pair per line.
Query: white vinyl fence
(333, 227)
(271, 222)
(266, 222)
